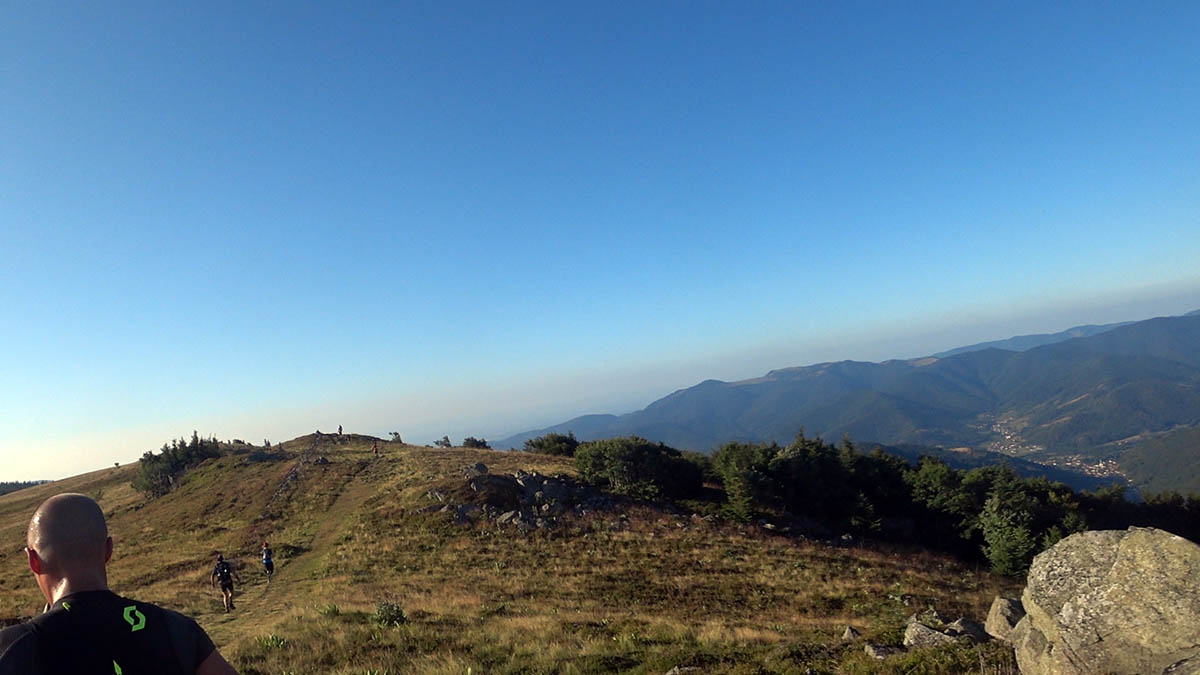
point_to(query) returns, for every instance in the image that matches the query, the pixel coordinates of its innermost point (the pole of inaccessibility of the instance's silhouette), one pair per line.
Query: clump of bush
(635, 467)
(388, 613)
(477, 443)
(562, 445)
(157, 474)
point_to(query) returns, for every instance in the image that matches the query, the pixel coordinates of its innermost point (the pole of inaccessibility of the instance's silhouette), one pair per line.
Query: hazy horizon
(633, 390)
(475, 219)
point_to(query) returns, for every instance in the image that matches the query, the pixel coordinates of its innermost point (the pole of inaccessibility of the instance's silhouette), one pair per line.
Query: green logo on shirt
(135, 619)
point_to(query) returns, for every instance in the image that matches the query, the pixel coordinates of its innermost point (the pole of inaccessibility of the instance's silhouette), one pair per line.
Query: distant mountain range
(1082, 398)
(1022, 343)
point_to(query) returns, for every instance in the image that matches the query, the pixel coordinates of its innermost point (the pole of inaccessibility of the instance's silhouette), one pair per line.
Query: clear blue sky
(472, 218)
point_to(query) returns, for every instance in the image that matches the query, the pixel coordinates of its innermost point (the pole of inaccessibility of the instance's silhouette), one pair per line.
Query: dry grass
(636, 591)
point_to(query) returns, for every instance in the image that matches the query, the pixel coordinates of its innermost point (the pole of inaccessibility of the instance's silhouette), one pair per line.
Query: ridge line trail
(298, 583)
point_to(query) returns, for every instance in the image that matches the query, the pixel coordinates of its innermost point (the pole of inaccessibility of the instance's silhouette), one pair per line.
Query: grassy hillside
(638, 589)
(1165, 461)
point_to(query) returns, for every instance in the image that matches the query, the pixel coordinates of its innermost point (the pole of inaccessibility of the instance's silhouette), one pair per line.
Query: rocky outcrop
(524, 500)
(1003, 617)
(1112, 601)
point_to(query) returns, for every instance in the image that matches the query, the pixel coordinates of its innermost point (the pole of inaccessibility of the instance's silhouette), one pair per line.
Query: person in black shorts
(88, 628)
(268, 564)
(225, 573)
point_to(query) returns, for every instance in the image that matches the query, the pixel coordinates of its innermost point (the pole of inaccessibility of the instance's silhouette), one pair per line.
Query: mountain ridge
(1053, 402)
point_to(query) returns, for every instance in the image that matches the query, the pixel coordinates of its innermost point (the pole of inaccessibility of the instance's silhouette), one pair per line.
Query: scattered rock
(968, 628)
(1112, 601)
(681, 670)
(475, 470)
(918, 635)
(465, 514)
(880, 652)
(1003, 616)
(850, 634)
(928, 616)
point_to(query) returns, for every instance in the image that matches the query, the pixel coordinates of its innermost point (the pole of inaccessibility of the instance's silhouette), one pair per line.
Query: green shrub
(158, 474)
(472, 442)
(562, 445)
(636, 467)
(388, 613)
(271, 641)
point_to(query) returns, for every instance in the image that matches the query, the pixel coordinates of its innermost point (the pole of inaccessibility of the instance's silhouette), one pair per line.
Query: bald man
(89, 629)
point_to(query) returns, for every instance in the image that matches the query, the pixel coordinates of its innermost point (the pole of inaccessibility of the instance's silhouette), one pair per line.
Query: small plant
(330, 610)
(272, 641)
(388, 613)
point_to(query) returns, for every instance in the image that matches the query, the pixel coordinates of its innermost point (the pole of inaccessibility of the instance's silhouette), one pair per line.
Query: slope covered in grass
(641, 588)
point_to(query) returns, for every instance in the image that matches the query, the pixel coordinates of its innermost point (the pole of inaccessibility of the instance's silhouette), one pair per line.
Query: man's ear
(35, 562)
(107, 550)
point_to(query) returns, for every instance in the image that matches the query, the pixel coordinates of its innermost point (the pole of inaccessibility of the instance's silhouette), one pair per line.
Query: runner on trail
(226, 574)
(268, 564)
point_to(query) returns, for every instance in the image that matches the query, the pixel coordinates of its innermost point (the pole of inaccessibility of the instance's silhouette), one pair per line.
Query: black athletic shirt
(224, 573)
(100, 632)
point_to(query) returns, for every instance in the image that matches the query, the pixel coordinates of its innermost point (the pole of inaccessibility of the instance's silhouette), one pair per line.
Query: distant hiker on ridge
(339, 430)
(375, 447)
(226, 574)
(88, 628)
(268, 564)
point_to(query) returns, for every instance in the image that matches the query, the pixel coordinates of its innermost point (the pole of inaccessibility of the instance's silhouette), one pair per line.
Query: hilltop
(638, 587)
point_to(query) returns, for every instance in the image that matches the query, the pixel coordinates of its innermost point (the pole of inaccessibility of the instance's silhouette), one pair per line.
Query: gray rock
(475, 470)
(928, 616)
(682, 670)
(508, 517)
(465, 514)
(1003, 617)
(850, 634)
(1112, 601)
(918, 635)
(880, 652)
(971, 629)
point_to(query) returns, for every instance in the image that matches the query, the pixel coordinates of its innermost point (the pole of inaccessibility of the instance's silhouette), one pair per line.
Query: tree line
(158, 473)
(987, 513)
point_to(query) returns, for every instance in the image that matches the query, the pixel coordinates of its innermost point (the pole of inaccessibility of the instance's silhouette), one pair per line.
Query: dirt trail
(260, 606)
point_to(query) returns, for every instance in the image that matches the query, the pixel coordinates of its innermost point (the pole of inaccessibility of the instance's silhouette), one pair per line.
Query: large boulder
(1112, 601)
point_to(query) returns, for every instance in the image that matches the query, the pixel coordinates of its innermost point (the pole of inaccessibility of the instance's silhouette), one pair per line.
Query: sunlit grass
(636, 591)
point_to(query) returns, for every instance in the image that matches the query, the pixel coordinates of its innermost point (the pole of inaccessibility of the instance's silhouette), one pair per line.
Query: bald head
(68, 531)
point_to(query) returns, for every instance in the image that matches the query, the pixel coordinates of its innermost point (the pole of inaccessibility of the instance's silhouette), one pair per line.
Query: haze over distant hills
(1083, 397)
(1022, 343)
